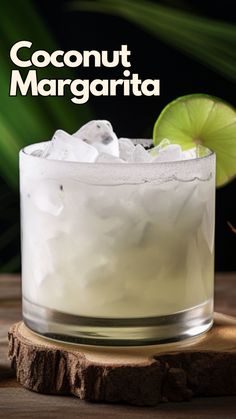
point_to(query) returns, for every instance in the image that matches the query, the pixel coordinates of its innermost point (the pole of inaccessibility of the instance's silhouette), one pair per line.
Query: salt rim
(115, 174)
(143, 141)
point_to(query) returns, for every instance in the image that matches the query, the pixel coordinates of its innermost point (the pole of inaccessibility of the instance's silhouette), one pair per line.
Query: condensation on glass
(117, 253)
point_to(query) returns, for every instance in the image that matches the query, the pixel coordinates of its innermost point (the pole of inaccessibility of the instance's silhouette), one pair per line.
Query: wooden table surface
(17, 402)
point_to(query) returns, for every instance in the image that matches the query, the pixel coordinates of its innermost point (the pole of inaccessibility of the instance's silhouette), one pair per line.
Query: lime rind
(201, 119)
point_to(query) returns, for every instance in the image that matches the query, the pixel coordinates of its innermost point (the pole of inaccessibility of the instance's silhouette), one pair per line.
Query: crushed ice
(97, 142)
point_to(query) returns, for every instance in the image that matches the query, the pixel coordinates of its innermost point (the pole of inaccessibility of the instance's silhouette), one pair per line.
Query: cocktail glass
(117, 253)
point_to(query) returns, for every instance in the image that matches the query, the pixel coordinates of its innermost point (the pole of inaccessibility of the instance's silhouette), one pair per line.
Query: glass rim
(117, 164)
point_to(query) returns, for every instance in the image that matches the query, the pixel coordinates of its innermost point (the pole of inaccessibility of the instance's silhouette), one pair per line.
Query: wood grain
(134, 375)
(15, 401)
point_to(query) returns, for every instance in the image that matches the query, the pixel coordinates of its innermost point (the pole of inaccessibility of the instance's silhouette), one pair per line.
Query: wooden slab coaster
(144, 375)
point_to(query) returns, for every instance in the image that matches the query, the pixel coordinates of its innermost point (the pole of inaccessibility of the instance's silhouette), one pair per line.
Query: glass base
(118, 332)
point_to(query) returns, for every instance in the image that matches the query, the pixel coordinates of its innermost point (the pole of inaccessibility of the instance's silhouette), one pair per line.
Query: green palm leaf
(25, 120)
(210, 41)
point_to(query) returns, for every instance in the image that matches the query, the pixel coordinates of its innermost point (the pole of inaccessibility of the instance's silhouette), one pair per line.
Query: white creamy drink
(112, 230)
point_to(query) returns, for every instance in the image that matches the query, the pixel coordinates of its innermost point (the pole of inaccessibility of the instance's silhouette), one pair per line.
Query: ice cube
(37, 153)
(48, 197)
(66, 147)
(140, 155)
(155, 199)
(155, 150)
(172, 152)
(100, 134)
(189, 208)
(189, 154)
(126, 148)
(108, 158)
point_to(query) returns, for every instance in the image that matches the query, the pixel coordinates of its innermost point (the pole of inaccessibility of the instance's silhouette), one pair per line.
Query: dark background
(151, 58)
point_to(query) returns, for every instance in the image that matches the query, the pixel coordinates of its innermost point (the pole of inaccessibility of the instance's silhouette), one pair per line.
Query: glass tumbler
(117, 253)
